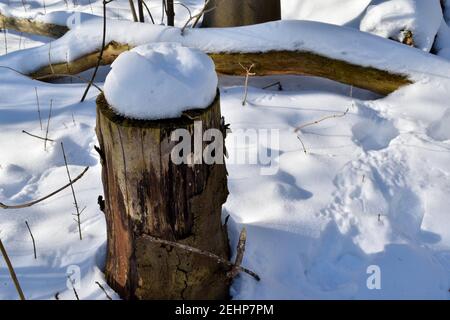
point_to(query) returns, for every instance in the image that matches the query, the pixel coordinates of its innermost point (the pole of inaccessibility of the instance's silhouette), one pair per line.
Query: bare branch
(104, 291)
(303, 145)
(320, 120)
(73, 287)
(38, 107)
(38, 137)
(11, 271)
(184, 6)
(48, 125)
(204, 253)
(29, 204)
(32, 239)
(50, 57)
(204, 11)
(133, 11)
(278, 83)
(148, 11)
(73, 193)
(100, 56)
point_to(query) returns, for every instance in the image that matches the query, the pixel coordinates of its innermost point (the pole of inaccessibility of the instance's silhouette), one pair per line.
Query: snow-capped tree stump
(234, 13)
(147, 194)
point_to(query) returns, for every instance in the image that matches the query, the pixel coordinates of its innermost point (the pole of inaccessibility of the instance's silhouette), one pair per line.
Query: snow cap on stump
(160, 81)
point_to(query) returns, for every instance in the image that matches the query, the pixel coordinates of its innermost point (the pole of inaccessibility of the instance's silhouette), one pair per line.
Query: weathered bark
(267, 63)
(234, 13)
(32, 26)
(147, 194)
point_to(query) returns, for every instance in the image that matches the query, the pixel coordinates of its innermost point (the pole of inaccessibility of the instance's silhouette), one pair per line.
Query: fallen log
(279, 62)
(86, 62)
(32, 26)
(266, 63)
(310, 64)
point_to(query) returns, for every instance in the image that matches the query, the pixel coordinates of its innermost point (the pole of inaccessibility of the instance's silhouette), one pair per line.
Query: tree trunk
(170, 11)
(234, 13)
(141, 11)
(147, 194)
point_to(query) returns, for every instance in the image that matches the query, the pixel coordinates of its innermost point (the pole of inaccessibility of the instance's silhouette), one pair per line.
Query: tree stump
(147, 194)
(234, 13)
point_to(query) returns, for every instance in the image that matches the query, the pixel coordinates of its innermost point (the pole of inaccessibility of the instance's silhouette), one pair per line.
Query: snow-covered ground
(371, 190)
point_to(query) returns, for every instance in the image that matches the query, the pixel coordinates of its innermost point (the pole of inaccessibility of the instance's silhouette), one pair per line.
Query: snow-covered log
(282, 47)
(312, 64)
(33, 26)
(267, 63)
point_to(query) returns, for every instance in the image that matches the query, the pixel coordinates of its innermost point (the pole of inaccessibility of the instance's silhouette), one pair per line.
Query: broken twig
(100, 56)
(248, 73)
(38, 137)
(239, 255)
(32, 238)
(303, 145)
(196, 17)
(204, 253)
(278, 83)
(322, 119)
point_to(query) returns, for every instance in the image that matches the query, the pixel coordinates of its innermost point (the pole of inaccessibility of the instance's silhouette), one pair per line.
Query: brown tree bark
(234, 13)
(146, 193)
